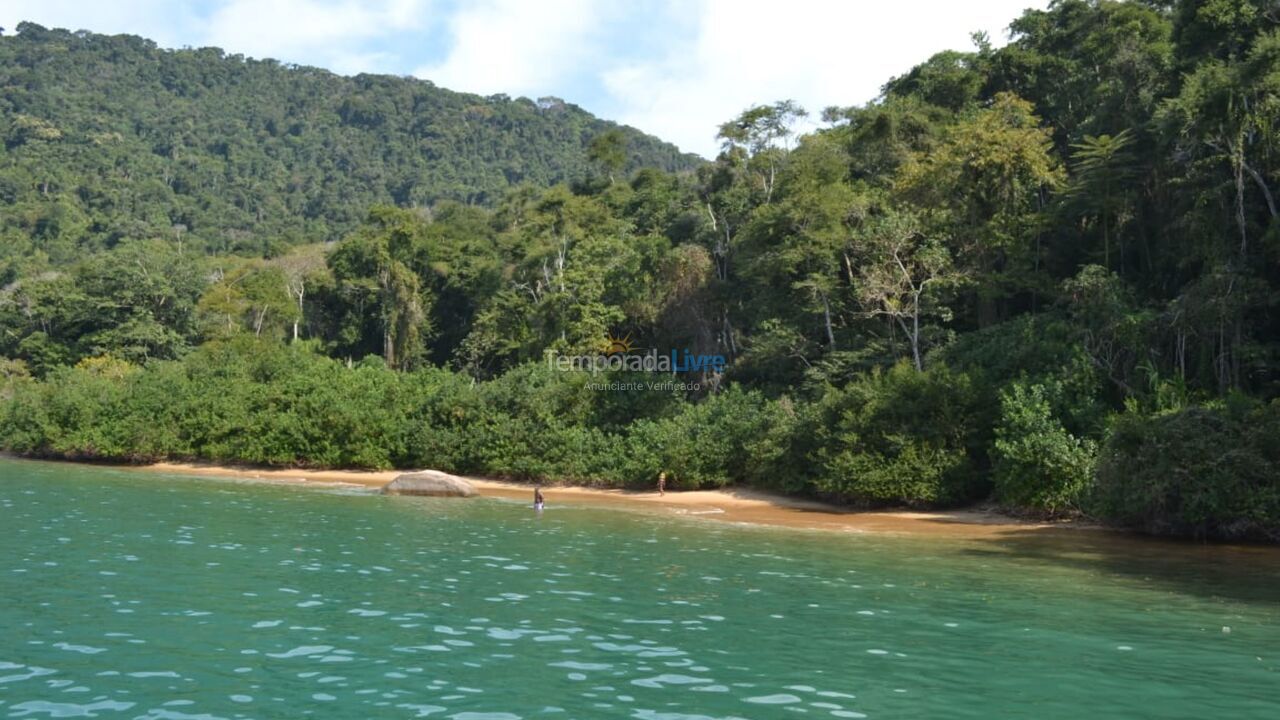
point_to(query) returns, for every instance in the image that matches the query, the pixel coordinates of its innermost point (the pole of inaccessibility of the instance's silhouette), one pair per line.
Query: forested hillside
(1043, 275)
(109, 137)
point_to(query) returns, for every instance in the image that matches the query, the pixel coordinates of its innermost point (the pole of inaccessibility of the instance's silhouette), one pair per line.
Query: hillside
(111, 137)
(1043, 275)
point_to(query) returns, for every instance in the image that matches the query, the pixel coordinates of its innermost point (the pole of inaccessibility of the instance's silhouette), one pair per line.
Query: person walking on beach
(537, 498)
(662, 483)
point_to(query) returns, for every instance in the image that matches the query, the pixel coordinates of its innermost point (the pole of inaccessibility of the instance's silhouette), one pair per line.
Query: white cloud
(519, 47)
(157, 20)
(312, 31)
(818, 53)
(674, 68)
(334, 34)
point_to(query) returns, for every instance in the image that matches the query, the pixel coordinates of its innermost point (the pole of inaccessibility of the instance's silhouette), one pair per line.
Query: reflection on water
(123, 596)
(1247, 573)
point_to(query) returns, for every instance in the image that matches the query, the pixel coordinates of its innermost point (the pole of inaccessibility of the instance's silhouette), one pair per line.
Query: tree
(1089, 67)
(609, 151)
(759, 130)
(301, 268)
(949, 79)
(901, 275)
(985, 188)
(727, 198)
(881, 137)
(1228, 109)
(222, 308)
(1103, 168)
(270, 306)
(1111, 329)
(802, 243)
(385, 308)
(141, 301)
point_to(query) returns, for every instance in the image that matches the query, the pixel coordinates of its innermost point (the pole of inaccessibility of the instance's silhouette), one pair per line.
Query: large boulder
(430, 483)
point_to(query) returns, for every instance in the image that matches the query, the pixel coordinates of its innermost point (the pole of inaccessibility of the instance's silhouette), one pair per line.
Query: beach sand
(728, 505)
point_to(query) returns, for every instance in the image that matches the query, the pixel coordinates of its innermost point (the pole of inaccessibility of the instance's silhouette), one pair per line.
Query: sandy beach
(728, 505)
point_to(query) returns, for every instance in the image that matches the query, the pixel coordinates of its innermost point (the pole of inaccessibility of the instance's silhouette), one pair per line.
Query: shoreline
(731, 505)
(1078, 539)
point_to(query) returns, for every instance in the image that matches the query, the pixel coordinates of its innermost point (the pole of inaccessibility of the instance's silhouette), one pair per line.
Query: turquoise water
(126, 595)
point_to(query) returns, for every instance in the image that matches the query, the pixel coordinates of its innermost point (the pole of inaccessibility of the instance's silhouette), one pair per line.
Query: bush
(733, 437)
(1037, 463)
(24, 420)
(899, 438)
(1202, 472)
(101, 409)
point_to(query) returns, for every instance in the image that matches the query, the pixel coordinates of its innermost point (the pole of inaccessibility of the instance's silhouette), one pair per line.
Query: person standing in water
(537, 498)
(662, 483)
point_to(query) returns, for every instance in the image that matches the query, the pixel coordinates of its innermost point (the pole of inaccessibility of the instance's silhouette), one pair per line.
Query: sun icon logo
(617, 346)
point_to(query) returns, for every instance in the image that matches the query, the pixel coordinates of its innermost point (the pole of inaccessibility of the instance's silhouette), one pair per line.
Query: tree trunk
(728, 334)
(826, 318)
(915, 339)
(1106, 242)
(1237, 158)
(1182, 355)
(1222, 356)
(300, 294)
(1261, 182)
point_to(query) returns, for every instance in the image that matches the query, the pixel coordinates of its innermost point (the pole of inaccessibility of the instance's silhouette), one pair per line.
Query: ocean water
(131, 595)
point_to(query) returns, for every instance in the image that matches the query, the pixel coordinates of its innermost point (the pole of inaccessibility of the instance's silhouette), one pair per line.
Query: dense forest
(109, 138)
(1042, 275)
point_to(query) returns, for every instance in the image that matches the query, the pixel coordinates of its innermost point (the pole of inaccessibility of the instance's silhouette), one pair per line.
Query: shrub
(728, 438)
(1037, 463)
(1202, 472)
(24, 419)
(901, 437)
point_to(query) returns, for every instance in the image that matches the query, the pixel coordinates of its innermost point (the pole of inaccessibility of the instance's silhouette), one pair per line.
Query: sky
(676, 69)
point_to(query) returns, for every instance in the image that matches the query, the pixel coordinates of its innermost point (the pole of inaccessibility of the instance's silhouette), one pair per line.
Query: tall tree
(1104, 167)
(765, 132)
(985, 188)
(902, 273)
(385, 308)
(609, 151)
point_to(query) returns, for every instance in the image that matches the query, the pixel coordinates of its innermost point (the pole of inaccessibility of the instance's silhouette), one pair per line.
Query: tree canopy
(1018, 274)
(110, 137)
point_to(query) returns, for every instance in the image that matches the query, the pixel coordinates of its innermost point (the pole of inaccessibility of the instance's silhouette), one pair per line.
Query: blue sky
(674, 69)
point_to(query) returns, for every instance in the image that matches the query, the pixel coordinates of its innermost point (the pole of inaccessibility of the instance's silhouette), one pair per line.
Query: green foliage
(1036, 463)
(609, 151)
(949, 79)
(207, 256)
(1204, 472)
(899, 437)
(110, 137)
(734, 437)
(385, 307)
(250, 401)
(137, 302)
